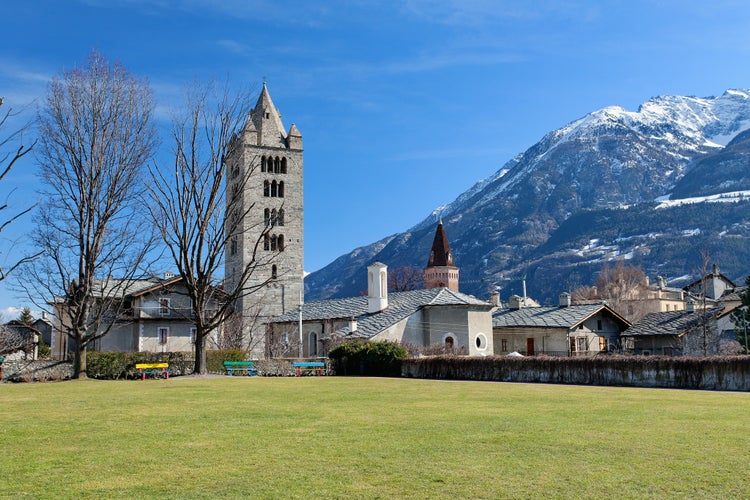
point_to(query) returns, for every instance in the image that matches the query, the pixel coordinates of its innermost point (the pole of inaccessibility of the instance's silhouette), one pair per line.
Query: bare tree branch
(96, 136)
(196, 211)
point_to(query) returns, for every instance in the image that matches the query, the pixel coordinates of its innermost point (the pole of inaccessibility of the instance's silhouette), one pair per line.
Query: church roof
(551, 317)
(266, 119)
(440, 255)
(400, 306)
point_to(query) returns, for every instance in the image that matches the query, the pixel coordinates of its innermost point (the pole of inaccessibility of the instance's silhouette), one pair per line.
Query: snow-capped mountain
(611, 161)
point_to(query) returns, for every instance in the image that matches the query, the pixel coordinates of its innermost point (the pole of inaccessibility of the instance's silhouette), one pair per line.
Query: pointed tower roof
(441, 255)
(266, 119)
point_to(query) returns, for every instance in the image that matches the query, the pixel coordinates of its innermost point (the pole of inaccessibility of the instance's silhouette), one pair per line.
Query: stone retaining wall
(36, 371)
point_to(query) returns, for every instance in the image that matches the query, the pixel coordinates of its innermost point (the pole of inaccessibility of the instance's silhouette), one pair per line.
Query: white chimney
(515, 302)
(565, 299)
(377, 287)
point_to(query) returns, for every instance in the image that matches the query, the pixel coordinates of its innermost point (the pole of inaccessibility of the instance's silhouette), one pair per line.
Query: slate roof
(670, 323)
(400, 305)
(550, 317)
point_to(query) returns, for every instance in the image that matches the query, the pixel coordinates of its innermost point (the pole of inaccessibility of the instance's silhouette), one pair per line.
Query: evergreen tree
(741, 318)
(26, 317)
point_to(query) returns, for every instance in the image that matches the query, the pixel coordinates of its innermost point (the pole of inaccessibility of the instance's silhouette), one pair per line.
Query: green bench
(153, 369)
(241, 367)
(318, 366)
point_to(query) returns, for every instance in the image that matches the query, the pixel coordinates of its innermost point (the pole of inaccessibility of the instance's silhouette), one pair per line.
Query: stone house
(155, 316)
(564, 330)
(421, 318)
(692, 332)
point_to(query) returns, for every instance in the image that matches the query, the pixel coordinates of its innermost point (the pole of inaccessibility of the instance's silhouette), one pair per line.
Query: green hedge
(121, 365)
(379, 359)
(215, 359)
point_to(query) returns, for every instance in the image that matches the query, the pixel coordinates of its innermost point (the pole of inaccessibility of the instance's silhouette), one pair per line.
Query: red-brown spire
(441, 251)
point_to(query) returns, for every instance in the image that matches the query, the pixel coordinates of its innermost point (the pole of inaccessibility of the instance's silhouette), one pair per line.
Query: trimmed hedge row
(716, 373)
(378, 359)
(121, 365)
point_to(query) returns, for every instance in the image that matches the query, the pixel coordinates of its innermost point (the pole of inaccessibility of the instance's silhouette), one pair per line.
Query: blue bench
(309, 365)
(241, 367)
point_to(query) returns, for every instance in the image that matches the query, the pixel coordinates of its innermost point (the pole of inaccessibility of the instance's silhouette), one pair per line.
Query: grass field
(336, 437)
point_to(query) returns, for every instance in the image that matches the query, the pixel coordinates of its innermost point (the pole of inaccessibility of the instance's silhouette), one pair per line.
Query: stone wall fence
(35, 371)
(725, 373)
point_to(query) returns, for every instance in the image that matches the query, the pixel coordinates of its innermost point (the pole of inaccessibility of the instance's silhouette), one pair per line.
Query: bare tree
(619, 285)
(191, 210)
(12, 340)
(8, 158)
(405, 278)
(96, 136)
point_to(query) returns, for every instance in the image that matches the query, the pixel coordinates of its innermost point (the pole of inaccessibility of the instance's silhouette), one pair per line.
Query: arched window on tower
(283, 165)
(263, 164)
(266, 189)
(274, 189)
(280, 244)
(281, 189)
(280, 218)
(276, 165)
(266, 242)
(273, 243)
(266, 217)
(274, 272)
(273, 217)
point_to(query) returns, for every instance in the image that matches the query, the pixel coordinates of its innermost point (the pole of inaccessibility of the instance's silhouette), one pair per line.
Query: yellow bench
(153, 369)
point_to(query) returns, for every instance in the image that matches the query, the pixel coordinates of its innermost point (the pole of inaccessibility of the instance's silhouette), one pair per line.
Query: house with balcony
(154, 315)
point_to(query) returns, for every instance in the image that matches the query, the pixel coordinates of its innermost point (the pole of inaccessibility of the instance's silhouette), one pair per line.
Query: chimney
(515, 302)
(495, 299)
(565, 299)
(353, 324)
(690, 305)
(377, 287)
(662, 282)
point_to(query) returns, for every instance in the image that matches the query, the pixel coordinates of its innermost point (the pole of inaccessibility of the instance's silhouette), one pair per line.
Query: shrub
(215, 359)
(121, 365)
(379, 359)
(43, 350)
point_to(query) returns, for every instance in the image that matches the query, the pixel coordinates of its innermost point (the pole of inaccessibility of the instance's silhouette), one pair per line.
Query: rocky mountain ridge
(540, 212)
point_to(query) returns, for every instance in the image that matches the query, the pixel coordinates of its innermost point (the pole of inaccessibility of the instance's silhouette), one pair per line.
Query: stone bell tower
(266, 166)
(441, 270)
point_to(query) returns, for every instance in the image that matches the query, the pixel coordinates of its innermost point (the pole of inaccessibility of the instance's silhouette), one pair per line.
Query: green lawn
(336, 437)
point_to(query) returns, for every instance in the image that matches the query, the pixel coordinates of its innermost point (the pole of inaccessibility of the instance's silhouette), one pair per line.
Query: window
(283, 165)
(266, 189)
(273, 243)
(281, 189)
(274, 215)
(449, 343)
(274, 272)
(164, 306)
(598, 324)
(602, 344)
(263, 164)
(233, 245)
(280, 244)
(504, 345)
(276, 165)
(280, 218)
(163, 334)
(313, 348)
(266, 242)
(266, 217)
(274, 189)
(582, 344)
(481, 341)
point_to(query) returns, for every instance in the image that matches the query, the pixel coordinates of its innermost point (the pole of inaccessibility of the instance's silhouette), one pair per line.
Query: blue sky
(403, 105)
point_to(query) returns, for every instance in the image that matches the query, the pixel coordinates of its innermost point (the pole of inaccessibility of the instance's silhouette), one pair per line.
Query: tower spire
(441, 270)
